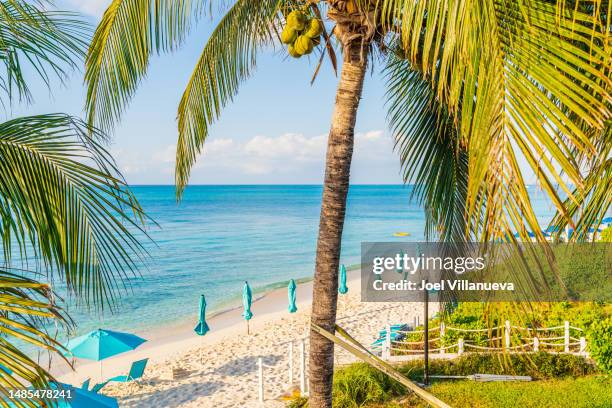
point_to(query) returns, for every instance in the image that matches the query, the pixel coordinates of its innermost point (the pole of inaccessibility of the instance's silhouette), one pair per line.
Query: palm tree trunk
(333, 207)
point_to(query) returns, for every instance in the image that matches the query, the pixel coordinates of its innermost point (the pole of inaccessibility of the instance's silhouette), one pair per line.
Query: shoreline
(165, 341)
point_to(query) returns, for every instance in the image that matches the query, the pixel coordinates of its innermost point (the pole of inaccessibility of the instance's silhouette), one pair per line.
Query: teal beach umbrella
(202, 327)
(101, 344)
(291, 293)
(342, 288)
(247, 299)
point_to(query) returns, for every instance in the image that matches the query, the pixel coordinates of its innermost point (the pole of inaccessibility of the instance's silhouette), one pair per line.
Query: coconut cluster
(301, 34)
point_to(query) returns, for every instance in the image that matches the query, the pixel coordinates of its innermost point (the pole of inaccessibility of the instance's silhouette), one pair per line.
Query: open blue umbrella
(342, 288)
(202, 327)
(247, 299)
(101, 344)
(291, 293)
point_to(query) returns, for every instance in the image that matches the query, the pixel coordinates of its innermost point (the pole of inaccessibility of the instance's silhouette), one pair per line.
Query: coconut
(293, 52)
(303, 45)
(296, 20)
(288, 35)
(314, 28)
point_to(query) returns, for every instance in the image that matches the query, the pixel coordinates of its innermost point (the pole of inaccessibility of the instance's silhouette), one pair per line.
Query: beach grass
(590, 391)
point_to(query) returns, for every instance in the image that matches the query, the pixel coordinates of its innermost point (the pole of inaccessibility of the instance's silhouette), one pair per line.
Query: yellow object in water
(401, 234)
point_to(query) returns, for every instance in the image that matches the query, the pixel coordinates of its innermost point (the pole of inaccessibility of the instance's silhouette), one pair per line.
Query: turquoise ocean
(219, 236)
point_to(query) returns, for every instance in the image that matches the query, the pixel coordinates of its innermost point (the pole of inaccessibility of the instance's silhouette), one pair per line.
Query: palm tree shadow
(172, 397)
(244, 365)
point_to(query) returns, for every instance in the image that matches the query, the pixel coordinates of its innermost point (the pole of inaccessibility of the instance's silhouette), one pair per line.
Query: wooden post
(536, 344)
(566, 337)
(507, 333)
(442, 333)
(387, 347)
(460, 351)
(261, 384)
(303, 368)
(582, 346)
(290, 363)
(426, 335)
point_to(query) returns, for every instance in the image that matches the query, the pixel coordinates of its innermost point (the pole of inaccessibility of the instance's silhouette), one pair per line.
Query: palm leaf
(47, 43)
(501, 68)
(63, 201)
(228, 58)
(118, 57)
(427, 142)
(592, 203)
(26, 306)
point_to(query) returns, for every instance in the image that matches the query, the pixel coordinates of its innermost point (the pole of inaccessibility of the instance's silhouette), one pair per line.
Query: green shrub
(537, 365)
(584, 392)
(599, 337)
(299, 402)
(606, 235)
(359, 384)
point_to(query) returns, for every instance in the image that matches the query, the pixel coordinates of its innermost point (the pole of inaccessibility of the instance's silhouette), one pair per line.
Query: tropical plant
(473, 86)
(66, 214)
(599, 337)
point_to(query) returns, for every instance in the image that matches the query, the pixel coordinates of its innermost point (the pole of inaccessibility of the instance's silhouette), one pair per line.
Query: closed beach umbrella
(247, 299)
(342, 288)
(291, 293)
(101, 344)
(202, 327)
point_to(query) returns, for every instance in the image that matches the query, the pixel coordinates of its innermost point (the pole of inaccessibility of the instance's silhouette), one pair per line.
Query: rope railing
(404, 345)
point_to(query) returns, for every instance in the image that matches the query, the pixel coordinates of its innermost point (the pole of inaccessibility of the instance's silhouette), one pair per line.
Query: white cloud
(92, 7)
(287, 158)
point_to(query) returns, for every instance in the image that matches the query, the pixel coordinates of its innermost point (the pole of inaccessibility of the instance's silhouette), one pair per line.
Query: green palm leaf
(118, 57)
(62, 198)
(428, 146)
(227, 60)
(595, 199)
(501, 69)
(25, 307)
(46, 43)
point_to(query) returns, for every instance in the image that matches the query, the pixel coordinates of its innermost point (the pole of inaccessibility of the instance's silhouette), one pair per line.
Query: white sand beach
(220, 369)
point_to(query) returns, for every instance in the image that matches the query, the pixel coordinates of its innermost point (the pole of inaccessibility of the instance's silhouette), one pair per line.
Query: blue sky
(274, 132)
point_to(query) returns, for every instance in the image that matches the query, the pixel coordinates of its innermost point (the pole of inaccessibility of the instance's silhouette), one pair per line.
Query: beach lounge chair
(136, 372)
(85, 385)
(397, 334)
(96, 388)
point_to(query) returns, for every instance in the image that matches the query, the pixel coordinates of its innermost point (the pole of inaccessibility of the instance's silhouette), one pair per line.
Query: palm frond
(47, 43)
(430, 154)
(514, 76)
(591, 203)
(228, 58)
(62, 197)
(26, 305)
(118, 57)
